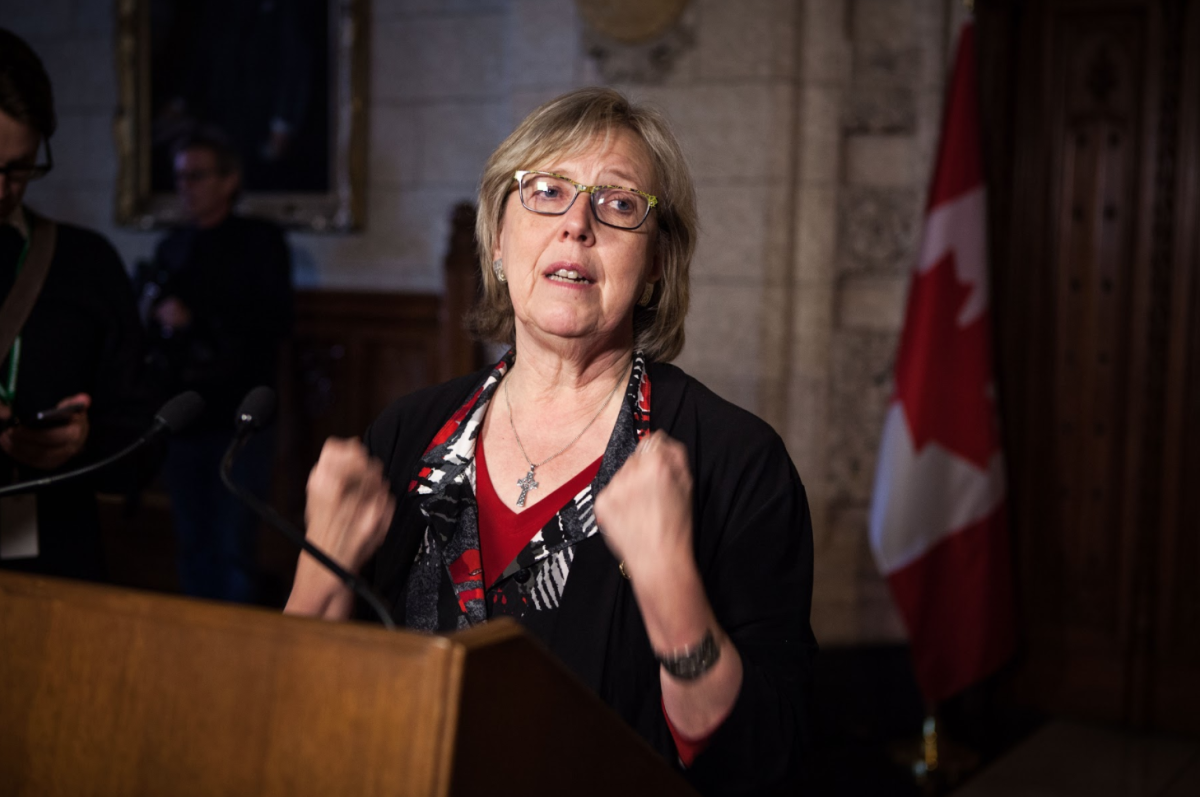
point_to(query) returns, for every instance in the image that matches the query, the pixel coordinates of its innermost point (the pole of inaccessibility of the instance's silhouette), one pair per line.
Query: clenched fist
(645, 512)
(349, 505)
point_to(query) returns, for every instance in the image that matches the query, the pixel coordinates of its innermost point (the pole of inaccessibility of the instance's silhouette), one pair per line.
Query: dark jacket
(82, 336)
(753, 546)
(236, 280)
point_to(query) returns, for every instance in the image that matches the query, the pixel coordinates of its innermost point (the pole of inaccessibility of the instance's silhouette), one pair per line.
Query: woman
(682, 598)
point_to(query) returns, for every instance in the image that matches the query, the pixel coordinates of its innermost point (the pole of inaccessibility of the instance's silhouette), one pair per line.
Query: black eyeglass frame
(37, 171)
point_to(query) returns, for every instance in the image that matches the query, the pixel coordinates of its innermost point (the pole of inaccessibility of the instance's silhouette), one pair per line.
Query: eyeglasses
(553, 195)
(24, 172)
(193, 175)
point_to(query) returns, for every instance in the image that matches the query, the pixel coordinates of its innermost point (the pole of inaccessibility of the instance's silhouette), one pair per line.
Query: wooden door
(1174, 670)
(1089, 165)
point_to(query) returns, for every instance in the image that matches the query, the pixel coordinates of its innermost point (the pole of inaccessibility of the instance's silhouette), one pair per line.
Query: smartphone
(53, 417)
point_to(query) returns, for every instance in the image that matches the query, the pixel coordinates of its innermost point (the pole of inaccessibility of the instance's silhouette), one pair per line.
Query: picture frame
(283, 80)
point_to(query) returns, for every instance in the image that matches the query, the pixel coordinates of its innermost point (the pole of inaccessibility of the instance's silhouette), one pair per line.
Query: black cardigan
(753, 547)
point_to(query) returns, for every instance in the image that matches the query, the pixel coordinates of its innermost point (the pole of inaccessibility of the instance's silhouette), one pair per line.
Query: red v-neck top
(503, 532)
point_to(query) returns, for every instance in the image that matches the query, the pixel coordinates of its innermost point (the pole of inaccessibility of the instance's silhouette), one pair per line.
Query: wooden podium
(108, 691)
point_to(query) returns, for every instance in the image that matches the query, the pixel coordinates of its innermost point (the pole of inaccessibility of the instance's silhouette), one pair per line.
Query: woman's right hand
(350, 505)
(348, 512)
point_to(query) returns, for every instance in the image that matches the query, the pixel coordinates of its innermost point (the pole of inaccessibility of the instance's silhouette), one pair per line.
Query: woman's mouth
(569, 276)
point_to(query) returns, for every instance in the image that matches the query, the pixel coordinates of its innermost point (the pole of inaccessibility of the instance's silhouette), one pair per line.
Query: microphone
(177, 414)
(255, 413)
(174, 416)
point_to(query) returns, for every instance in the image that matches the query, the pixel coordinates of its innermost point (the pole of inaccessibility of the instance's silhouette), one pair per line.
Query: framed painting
(284, 82)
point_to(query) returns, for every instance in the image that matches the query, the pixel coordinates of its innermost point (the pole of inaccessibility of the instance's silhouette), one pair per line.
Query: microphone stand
(264, 511)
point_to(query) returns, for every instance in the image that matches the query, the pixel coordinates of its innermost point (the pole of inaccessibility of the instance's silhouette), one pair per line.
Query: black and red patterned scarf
(532, 585)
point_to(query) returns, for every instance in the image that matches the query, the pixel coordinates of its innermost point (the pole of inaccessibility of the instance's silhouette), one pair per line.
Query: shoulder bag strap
(19, 304)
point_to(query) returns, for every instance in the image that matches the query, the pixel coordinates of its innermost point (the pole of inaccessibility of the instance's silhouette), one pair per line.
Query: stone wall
(872, 96)
(810, 126)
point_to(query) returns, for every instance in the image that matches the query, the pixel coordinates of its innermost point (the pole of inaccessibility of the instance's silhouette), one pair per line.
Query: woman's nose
(579, 222)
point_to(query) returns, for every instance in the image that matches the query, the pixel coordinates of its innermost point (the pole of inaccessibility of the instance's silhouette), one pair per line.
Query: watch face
(631, 21)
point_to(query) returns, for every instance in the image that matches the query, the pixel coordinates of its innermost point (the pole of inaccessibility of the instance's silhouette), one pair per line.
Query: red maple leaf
(944, 369)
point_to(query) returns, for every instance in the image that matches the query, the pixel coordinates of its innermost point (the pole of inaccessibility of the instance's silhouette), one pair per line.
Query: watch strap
(690, 662)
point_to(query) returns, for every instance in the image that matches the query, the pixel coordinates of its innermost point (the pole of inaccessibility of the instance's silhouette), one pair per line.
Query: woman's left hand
(645, 512)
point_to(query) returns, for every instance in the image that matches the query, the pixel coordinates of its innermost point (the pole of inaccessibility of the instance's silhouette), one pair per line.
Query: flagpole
(937, 763)
(936, 769)
(948, 570)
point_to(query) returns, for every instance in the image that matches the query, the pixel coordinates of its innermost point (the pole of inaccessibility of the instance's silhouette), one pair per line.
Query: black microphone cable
(174, 416)
(256, 412)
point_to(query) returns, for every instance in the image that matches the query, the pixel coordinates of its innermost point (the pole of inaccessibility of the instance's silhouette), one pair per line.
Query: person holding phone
(71, 390)
(51, 437)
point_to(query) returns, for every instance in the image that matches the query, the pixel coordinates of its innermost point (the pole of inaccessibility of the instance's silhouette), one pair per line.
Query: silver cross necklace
(528, 482)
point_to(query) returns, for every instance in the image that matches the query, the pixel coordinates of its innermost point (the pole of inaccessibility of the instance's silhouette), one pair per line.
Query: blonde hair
(567, 125)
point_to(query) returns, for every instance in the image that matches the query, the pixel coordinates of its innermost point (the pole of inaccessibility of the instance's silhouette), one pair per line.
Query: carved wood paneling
(1096, 161)
(351, 353)
(1096, 251)
(1069, 318)
(1176, 572)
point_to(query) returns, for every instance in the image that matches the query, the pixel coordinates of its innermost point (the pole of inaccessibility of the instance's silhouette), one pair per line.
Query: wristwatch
(690, 662)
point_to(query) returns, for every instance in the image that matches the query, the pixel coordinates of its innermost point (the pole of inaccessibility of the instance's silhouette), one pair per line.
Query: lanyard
(8, 389)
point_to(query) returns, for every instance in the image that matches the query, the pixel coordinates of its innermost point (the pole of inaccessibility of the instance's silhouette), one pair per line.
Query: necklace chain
(528, 482)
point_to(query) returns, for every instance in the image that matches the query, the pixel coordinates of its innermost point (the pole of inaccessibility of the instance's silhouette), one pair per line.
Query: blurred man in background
(223, 306)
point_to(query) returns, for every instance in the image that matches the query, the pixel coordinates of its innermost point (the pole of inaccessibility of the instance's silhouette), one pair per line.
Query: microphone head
(257, 410)
(181, 411)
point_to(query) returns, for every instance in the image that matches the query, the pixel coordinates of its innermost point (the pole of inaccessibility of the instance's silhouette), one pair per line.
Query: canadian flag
(937, 525)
